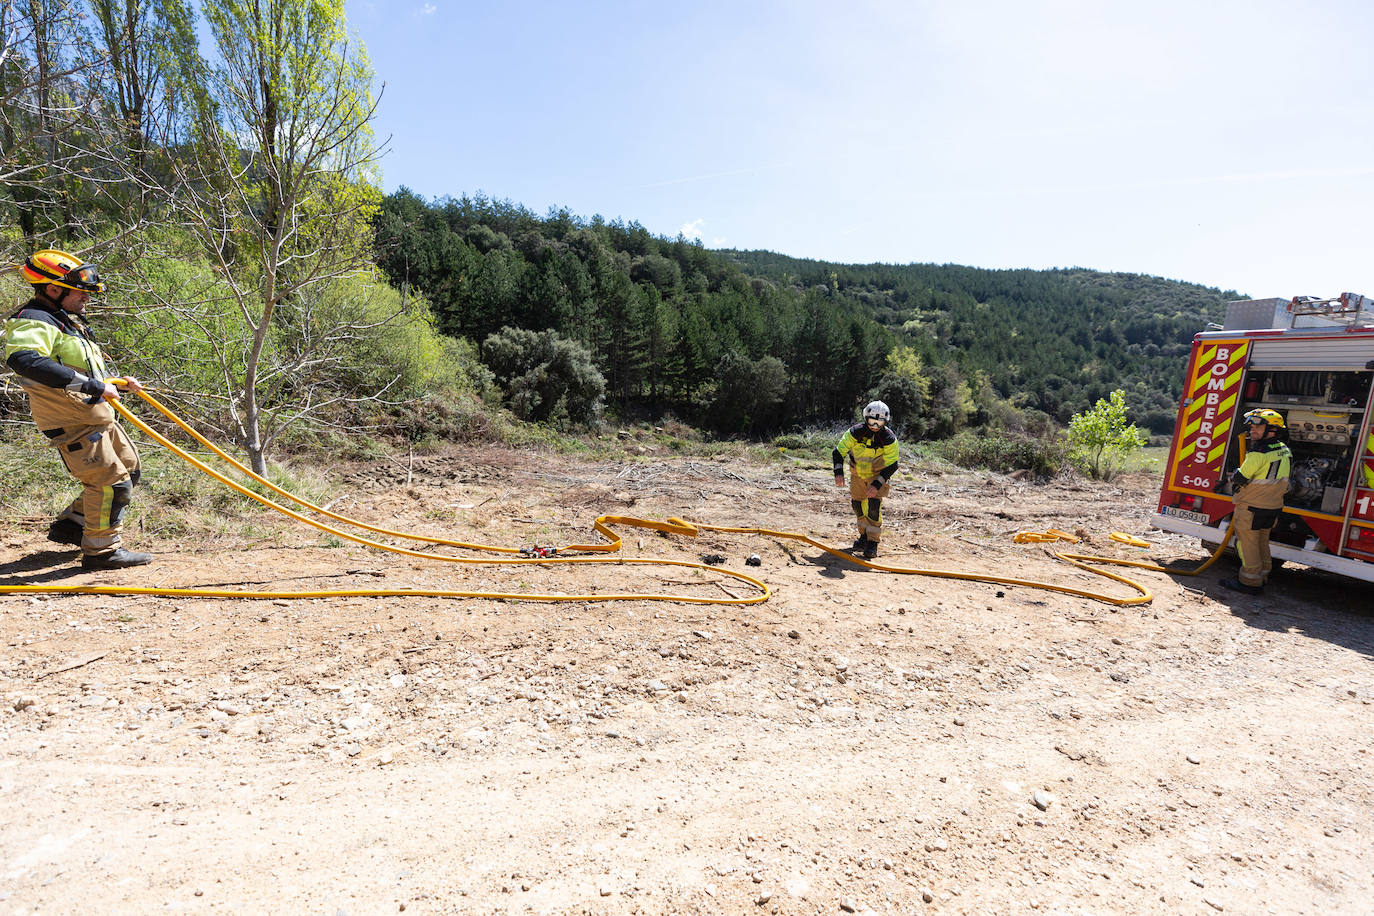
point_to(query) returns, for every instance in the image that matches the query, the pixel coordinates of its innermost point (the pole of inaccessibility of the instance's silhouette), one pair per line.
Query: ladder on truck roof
(1351, 309)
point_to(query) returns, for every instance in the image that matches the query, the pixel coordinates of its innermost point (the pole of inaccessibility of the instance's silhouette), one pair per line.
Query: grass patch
(1150, 460)
(172, 501)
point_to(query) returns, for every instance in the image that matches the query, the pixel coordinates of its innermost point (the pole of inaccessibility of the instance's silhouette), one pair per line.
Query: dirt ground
(863, 741)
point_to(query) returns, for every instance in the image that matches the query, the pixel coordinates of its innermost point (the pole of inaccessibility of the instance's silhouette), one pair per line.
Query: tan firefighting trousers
(868, 512)
(1257, 508)
(98, 453)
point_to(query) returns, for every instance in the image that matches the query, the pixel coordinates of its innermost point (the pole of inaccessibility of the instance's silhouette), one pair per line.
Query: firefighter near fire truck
(1258, 488)
(50, 346)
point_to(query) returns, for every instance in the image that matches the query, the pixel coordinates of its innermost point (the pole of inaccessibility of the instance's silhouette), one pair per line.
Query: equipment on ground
(1305, 365)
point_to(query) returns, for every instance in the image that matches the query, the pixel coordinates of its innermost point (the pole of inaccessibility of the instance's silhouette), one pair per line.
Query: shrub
(1003, 452)
(547, 378)
(748, 392)
(1100, 439)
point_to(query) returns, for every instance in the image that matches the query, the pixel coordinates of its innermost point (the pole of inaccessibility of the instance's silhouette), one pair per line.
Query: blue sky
(1223, 143)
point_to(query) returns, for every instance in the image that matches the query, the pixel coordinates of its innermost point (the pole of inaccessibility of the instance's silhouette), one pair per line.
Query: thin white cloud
(692, 230)
(429, 9)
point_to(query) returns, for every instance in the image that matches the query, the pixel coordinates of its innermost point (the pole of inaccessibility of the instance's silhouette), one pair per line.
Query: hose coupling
(539, 552)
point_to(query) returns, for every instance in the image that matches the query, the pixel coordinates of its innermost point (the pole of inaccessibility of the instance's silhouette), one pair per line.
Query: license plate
(1190, 516)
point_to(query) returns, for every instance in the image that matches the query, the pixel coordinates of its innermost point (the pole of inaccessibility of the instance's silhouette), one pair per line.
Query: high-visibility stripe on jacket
(1368, 465)
(48, 346)
(1270, 460)
(873, 453)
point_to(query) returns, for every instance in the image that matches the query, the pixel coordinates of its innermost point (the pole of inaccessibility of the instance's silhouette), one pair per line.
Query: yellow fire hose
(602, 526)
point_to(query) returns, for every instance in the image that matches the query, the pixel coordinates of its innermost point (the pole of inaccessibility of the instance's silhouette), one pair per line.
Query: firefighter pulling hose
(49, 345)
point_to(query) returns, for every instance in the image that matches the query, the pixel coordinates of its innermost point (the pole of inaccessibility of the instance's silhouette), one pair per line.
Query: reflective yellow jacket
(872, 454)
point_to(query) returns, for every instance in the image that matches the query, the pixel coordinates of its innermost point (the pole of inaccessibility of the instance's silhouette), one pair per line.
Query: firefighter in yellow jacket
(1258, 488)
(60, 367)
(871, 451)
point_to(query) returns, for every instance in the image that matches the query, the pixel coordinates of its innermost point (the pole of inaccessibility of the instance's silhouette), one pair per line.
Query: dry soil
(863, 741)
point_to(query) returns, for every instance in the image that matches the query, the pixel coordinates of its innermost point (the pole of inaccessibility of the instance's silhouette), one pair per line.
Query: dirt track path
(862, 741)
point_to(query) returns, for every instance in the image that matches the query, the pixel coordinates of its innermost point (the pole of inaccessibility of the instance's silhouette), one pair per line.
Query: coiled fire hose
(548, 556)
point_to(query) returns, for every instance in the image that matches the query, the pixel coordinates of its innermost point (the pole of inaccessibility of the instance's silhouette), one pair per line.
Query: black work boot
(65, 531)
(861, 543)
(1235, 585)
(870, 550)
(120, 559)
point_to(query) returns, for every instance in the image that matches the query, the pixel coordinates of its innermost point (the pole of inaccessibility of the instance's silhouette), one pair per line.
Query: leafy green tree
(142, 41)
(905, 387)
(546, 377)
(1101, 439)
(53, 133)
(276, 181)
(748, 393)
(951, 403)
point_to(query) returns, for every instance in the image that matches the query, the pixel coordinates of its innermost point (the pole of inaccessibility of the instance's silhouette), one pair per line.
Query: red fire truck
(1312, 360)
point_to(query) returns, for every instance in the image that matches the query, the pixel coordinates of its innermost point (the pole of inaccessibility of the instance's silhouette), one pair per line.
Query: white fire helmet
(877, 410)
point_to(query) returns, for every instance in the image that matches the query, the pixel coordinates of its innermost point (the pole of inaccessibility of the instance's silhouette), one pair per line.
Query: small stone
(1213, 904)
(763, 897)
(1193, 758)
(384, 758)
(753, 560)
(1042, 799)
(793, 634)
(927, 896)
(959, 722)
(605, 889)
(848, 905)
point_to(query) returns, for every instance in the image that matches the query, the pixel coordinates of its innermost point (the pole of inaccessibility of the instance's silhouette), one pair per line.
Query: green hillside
(709, 335)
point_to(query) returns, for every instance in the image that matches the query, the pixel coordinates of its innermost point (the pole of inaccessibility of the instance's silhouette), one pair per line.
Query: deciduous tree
(275, 178)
